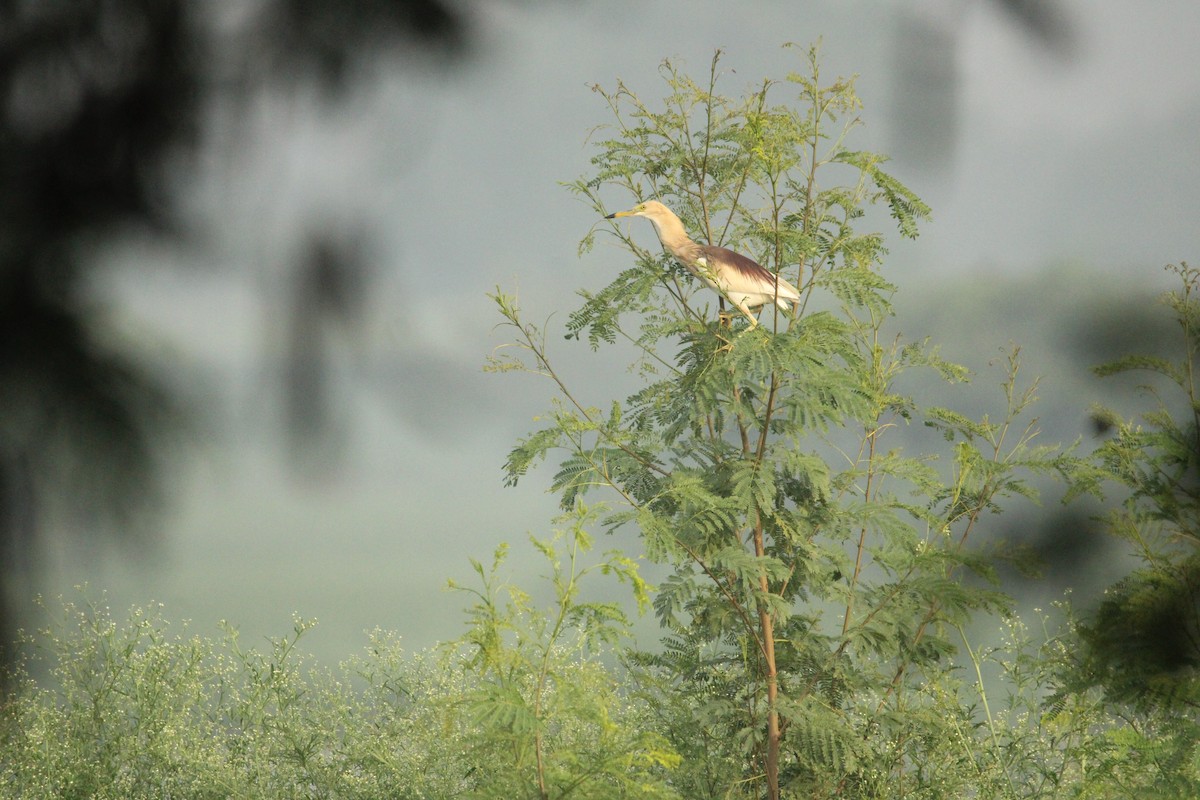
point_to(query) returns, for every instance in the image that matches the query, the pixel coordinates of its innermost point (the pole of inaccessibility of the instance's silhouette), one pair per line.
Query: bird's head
(651, 209)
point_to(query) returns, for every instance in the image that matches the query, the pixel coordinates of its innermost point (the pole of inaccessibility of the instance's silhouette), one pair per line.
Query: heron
(745, 282)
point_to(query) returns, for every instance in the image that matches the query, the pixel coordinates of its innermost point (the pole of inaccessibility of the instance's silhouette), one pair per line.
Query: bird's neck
(673, 236)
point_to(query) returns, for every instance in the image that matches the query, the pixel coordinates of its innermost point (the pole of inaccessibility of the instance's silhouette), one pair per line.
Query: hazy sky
(1088, 156)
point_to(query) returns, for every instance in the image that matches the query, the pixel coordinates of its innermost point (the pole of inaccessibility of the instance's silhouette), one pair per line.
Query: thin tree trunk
(767, 625)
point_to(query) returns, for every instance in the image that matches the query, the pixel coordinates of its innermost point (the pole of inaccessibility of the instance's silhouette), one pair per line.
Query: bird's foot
(724, 331)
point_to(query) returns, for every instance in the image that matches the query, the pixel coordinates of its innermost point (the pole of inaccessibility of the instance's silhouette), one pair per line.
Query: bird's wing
(745, 274)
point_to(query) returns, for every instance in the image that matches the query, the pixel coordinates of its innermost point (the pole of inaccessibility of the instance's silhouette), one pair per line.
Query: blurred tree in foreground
(96, 97)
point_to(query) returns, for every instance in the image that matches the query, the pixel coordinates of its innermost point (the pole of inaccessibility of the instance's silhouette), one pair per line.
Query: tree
(816, 572)
(97, 102)
(546, 719)
(1142, 641)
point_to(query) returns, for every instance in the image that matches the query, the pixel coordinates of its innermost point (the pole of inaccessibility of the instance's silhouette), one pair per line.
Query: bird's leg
(742, 308)
(724, 323)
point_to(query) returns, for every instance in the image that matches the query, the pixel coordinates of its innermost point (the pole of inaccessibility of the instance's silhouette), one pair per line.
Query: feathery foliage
(817, 571)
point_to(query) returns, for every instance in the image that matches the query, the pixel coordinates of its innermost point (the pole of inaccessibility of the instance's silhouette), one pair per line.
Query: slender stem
(565, 595)
(743, 431)
(768, 413)
(862, 534)
(532, 345)
(771, 673)
(743, 177)
(701, 173)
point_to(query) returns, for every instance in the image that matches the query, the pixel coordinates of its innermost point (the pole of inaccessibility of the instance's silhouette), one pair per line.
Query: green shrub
(521, 706)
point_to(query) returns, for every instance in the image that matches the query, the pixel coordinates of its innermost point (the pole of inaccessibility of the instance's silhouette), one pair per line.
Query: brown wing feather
(746, 266)
(741, 264)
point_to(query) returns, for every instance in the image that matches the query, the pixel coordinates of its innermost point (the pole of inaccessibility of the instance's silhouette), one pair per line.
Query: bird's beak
(617, 214)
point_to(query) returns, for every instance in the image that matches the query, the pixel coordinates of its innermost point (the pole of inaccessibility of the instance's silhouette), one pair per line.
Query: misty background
(242, 357)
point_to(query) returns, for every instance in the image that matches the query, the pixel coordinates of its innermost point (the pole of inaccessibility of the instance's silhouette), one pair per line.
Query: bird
(745, 282)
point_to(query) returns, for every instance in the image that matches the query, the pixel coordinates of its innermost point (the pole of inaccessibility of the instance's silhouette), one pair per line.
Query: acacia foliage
(816, 570)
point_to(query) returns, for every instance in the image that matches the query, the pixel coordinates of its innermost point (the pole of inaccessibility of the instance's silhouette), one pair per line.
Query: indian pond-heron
(745, 282)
